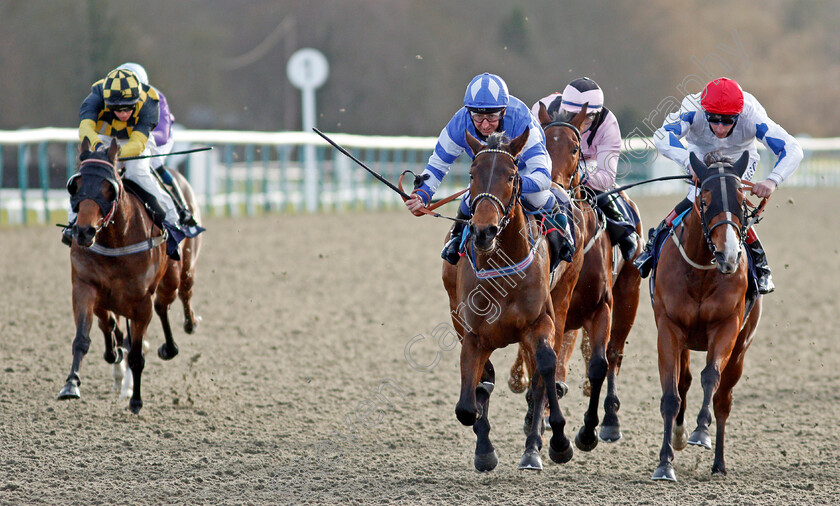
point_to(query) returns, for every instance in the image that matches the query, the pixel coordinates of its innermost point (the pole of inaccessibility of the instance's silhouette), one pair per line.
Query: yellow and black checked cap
(121, 87)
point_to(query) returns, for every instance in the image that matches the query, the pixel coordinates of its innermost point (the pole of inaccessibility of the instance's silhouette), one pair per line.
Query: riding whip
(603, 196)
(140, 157)
(373, 173)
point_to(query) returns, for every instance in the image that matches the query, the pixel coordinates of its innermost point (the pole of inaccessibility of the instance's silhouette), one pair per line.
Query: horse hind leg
(486, 458)
(164, 296)
(185, 287)
(679, 438)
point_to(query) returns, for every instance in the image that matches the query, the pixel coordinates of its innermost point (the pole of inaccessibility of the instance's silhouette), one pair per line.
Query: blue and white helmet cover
(486, 91)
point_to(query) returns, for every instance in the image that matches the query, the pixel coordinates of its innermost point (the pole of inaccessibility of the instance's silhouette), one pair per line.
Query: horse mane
(496, 140)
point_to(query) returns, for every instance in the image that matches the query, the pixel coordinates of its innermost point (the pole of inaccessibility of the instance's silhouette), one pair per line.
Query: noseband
(506, 211)
(725, 208)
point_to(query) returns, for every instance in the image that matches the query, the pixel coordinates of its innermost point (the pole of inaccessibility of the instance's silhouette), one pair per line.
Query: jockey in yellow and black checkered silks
(120, 90)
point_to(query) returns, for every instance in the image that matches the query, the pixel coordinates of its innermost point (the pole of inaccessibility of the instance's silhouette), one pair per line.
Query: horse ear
(85, 145)
(518, 144)
(474, 144)
(741, 165)
(697, 166)
(543, 115)
(113, 149)
(580, 117)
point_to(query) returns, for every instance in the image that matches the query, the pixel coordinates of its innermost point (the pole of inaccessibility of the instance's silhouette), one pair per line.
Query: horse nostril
(492, 230)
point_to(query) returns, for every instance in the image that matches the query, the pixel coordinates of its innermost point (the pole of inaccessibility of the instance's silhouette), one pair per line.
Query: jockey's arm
(786, 148)
(667, 138)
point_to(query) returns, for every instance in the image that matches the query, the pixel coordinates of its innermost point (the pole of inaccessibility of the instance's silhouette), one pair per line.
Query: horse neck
(512, 243)
(128, 225)
(693, 240)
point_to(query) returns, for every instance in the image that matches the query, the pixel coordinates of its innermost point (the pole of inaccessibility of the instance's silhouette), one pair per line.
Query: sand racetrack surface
(296, 387)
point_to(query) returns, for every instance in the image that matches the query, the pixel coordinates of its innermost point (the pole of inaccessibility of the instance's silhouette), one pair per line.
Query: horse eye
(510, 178)
(471, 176)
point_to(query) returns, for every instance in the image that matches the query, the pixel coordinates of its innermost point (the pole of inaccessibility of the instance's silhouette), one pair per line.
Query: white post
(307, 70)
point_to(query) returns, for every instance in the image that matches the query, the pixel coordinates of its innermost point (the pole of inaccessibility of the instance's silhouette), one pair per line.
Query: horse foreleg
(625, 304)
(136, 360)
(669, 350)
(598, 329)
(486, 458)
(717, 357)
(473, 357)
(83, 301)
(723, 401)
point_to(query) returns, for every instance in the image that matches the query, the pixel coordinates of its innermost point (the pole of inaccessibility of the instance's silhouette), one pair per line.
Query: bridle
(579, 169)
(107, 218)
(505, 210)
(703, 210)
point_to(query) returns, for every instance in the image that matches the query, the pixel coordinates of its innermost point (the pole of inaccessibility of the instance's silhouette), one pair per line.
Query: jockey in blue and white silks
(726, 120)
(489, 108)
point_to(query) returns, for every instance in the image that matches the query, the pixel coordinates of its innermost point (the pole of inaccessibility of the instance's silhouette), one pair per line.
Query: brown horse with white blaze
(700, 303)
(499, 294)
(119, 267)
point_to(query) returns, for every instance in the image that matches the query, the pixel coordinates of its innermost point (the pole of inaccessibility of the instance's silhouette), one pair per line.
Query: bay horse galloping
(119, 267)
(703, 301)
(500, 295)
(606, 292)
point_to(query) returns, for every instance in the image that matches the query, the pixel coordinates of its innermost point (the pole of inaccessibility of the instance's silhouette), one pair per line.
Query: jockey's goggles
(122, 108)
(723, 119)
(492, 117)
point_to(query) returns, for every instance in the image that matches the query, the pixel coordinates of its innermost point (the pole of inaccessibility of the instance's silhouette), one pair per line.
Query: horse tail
(519, 376)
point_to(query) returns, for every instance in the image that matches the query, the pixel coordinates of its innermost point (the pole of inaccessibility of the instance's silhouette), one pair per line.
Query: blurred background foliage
(400, 67)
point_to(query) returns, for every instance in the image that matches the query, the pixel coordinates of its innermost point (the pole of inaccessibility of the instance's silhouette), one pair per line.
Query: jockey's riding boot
(645, 261)
(762, 270)
(184, 213)
(451, 252)
(560, 237)
(627, 238)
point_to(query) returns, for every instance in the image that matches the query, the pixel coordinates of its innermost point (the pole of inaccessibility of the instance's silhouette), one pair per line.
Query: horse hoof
(664, 472)
(585, 441)
(486, 462)
(191, 324)
(562, 389)
(562, 456)
(70, 391)
(531, 461)
(167, 354)
(610, 433)
(134, 406)
(700, 438)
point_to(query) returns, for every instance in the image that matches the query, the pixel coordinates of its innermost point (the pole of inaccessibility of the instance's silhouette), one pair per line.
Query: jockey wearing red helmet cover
(722, 96)
(727, 120)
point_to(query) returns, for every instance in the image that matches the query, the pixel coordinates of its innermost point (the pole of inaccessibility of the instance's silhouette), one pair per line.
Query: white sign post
(307, 70)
